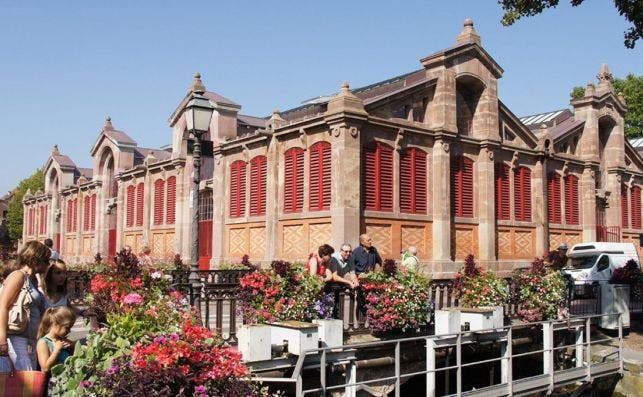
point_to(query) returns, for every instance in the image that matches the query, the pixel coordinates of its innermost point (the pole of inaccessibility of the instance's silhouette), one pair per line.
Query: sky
(67, 65)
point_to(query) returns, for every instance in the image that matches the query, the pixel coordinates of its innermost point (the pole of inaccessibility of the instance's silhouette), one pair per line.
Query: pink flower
(132, 299)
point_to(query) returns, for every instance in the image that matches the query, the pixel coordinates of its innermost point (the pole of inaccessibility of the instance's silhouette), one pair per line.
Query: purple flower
(159, 339)
(132, 299)
(85, 384)
(199, 389)
(113, 369)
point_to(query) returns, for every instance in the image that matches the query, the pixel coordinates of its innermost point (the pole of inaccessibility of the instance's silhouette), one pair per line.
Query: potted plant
(539, 292)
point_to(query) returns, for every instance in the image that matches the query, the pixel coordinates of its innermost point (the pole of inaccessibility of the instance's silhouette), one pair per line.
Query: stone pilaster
(273, 187)
(441, 202)
(588, 203)
(345, 192)
(219, 209)
(539, 196)
(486, 204)
(441, 111)
(613, 211)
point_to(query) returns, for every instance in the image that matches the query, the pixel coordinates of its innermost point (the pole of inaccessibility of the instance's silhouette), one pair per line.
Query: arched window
(522, 194)
(320, 165)
(462, 187)
(624, 209)
(553, 188)
(258, 186)
(170, 208)
(237, 189)
(294, 180)
(377, 177)
(413, 181)
(502, 192)
(571, 200)
(636, 206)
(159, 200)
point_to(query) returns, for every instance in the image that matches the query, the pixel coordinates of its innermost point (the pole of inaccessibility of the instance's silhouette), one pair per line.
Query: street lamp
(198, 113)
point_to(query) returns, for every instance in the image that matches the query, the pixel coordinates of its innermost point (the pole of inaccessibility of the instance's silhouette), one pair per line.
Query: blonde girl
(54, 284)
(53, 344)
(33, 259)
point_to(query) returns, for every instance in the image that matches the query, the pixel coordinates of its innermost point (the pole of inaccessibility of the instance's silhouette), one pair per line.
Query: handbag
(22, 383)
(20, 312)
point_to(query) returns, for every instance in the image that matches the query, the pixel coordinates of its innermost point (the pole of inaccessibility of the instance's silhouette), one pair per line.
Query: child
(52, 342)
(54, 285)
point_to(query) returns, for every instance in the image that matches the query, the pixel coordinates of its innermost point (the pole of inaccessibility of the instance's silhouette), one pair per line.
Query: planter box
(254, 342)
(615, 298)
(299, 335)
(331, 332)
(479, 318)
(447, 321)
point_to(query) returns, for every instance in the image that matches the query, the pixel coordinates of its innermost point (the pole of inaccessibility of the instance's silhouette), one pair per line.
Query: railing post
(351, 378)
(548, 353)
(430, 367)
(579, 346)
(506, 365)
(322, 373)
(458, 358)
(620, 343)
(588, 350)
(397, 369)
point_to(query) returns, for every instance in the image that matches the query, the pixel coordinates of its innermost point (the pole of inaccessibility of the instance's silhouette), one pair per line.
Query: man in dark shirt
(365, 257)
(342, 271)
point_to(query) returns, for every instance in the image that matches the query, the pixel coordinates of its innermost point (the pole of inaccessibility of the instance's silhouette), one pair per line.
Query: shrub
(474, 287)
(539, 292)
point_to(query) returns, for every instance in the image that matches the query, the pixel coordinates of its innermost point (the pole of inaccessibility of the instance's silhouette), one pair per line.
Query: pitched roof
(548, 118)
(87, 172)
(120, 137)
(64, 161)
(252, 120)
(566, 126)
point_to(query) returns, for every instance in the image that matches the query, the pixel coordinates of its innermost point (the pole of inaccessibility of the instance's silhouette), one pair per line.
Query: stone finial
(149, 159)
(108, 124)
(468, 34)
(605, 78)
(589, 90)
(275, 120)
(54, 151)
(622, 98)
(82, 179)
(345, 101)
(197, 86)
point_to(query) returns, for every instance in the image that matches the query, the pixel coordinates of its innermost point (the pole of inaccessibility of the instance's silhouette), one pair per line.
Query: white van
(594, 263)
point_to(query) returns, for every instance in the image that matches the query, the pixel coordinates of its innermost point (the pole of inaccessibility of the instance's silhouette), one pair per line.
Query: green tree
(632, 89)
(15, 211)
(632, 10)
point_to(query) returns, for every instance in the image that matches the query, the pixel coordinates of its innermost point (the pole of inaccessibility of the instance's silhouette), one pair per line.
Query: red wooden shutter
(159, 193)
(170, 210)
(624, 209)
(369, 177)
(140, 203)
(92, 215)
(635, 193)
(86, 205)
(320, 164)
(129, 216)
(69, 215)
(75, 220)
(258, 186)
(522, 194)
(462, 187)
(294, 180)
(571, 200)
(29, 222)
(413, 181)
(385, 177)
(502, 191)
(42, 220)
(237, 189)
(553, 186)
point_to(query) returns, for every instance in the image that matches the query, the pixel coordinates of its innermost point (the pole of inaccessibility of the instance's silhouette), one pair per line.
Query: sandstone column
(484, 187)
(441, 201)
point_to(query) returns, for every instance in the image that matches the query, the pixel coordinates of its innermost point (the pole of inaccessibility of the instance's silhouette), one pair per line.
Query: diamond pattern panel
(573, 238)
(555, 238)
(257, 242)
(70, 246)
(414, 235)
(158, 245)
(524, 244)
(318, 234)
(464, 243)
(88, 245)
(238, 242)
(130, 239)
(294, 243)
(504, 244)
(169, 245)
(382, 239)
(429, 241)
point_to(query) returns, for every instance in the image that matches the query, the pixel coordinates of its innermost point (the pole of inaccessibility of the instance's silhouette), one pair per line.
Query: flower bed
(539, 292)
(151, 342)
(285, 292)
(396, 300)
(475, 287)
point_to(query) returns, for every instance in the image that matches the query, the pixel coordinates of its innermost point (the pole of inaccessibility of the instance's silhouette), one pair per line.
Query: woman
(54, 285)
(21, 348)
(318, 264)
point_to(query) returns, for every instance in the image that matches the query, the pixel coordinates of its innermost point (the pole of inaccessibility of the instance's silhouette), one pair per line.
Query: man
(49, 243)
(365, 258)
(559, 259)
(342, 271)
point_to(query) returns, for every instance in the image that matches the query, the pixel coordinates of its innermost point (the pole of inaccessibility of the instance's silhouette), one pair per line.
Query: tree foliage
(15, 211)
(632, 10)
(632, 89)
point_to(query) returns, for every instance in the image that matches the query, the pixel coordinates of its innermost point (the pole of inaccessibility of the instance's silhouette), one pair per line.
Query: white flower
(156, 275)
